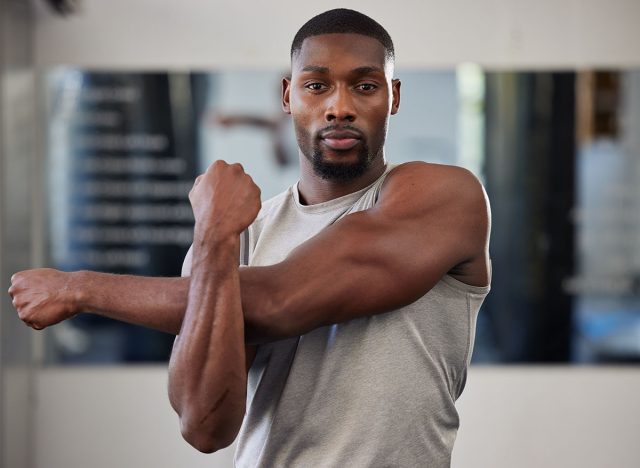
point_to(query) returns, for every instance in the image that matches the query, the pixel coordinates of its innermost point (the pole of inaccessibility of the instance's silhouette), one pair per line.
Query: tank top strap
(377, 188)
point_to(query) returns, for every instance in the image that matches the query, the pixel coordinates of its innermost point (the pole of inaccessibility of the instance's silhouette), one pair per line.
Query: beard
(341, 171)
(312, 149)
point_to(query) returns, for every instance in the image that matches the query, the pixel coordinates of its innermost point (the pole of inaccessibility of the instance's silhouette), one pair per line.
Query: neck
(314, 189)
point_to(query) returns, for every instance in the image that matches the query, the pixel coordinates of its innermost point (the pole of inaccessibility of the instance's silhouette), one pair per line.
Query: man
(360, 300)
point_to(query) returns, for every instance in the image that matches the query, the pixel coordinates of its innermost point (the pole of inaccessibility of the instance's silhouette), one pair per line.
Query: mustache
(339, 128)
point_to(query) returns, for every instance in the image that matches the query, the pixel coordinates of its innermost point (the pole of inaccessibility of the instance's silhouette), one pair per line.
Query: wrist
(77, 291)
(214, 238)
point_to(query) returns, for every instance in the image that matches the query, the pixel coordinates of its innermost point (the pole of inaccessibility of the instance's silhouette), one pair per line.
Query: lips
(340, 140)
(340, 143)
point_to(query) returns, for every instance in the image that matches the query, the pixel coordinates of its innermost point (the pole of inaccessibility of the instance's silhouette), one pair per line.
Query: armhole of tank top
(457, 386)
(467, 355)
(378, 188)
(244, 248)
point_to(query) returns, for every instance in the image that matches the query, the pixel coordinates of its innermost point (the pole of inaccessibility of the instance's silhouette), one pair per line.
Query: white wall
(524, 417)
(119, 417)
(551, 417)
(227, 33)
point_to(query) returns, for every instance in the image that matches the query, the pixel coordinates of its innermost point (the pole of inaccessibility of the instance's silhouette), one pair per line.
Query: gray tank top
(372, 392)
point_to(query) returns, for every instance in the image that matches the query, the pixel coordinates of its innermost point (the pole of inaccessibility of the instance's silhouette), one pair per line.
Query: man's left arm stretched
(430, 220)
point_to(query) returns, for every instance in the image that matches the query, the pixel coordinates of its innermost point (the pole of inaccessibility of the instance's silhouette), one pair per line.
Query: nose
(341, 106)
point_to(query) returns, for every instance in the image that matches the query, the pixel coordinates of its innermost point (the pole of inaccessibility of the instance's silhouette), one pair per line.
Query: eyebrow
(367, 70)
(358, 71)
(315, 68)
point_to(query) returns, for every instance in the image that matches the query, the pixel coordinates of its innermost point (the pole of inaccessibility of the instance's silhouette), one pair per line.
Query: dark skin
(356, 92)
(430, 221)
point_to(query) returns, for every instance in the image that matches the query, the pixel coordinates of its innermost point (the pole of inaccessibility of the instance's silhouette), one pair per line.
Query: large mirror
(558, 152)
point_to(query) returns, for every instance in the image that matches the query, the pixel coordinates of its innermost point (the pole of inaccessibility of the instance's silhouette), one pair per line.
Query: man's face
(340, 96)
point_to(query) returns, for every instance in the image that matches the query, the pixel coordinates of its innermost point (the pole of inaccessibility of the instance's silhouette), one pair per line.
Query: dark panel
(530, 158)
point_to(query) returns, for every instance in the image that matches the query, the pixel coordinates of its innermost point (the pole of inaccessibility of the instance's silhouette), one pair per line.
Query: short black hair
(343, 20)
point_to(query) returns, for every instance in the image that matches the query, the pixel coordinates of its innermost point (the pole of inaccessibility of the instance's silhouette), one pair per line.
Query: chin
(330, 169)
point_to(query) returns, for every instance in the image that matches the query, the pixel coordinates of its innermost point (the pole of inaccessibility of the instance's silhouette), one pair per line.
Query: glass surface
(558, 153)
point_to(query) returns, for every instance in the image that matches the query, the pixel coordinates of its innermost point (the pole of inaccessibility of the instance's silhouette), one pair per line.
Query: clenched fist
(43, 297)
(225, 201)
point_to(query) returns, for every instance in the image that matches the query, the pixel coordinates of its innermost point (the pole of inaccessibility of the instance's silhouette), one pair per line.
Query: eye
(315, 86)
(367, 87)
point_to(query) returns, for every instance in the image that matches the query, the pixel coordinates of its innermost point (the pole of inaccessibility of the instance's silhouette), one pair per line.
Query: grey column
(18, 183)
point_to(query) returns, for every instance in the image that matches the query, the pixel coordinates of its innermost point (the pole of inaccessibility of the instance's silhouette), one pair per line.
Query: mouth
(340, 140)
(340, 144)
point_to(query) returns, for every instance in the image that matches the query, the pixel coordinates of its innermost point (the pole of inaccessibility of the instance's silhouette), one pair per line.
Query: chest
(282, 231)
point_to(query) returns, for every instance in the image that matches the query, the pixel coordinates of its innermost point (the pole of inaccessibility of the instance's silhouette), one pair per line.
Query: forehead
(340, 50)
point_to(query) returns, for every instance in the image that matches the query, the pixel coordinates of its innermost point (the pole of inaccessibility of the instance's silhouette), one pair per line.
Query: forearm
(160, 303)
(207, 376)
(278, 301)
(157, 303)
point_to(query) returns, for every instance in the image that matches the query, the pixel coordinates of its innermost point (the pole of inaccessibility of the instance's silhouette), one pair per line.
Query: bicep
(364, 265)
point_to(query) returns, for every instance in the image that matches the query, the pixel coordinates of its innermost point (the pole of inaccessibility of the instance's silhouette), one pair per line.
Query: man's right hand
(44, 296)
(225, 201)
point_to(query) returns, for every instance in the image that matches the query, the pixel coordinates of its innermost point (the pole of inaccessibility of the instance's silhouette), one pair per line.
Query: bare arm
(207, 374)
(430, 221)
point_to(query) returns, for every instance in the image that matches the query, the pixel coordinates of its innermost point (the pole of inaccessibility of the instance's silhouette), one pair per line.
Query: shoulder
(447, 208)
(421, 169)
(424, 185)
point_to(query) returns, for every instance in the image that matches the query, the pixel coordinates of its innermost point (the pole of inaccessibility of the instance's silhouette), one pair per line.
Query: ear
(286, 87)
(395, 93)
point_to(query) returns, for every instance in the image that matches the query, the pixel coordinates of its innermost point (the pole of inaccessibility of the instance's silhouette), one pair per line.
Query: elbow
(206, 441)
(265, 325)
(267, 312)
(208, 428)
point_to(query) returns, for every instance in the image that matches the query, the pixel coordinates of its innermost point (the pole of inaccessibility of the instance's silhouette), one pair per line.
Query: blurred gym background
(109, 110)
